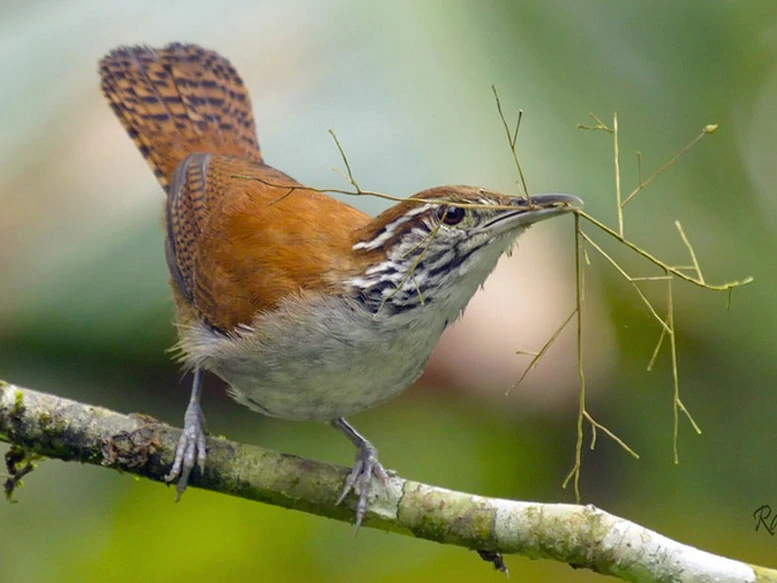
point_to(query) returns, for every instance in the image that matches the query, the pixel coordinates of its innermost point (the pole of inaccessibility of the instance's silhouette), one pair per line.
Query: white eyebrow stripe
(388, 230)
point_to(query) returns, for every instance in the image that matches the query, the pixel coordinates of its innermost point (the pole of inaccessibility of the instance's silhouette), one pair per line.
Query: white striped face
(428, 248)
(427, 252)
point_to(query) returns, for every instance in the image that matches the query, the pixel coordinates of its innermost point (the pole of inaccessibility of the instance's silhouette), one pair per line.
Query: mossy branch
(38, 424)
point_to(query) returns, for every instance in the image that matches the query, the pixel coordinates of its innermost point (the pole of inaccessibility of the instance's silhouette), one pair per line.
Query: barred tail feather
(179, 100)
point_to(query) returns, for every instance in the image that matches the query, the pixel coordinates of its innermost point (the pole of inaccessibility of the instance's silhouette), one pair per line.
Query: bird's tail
(177, 101)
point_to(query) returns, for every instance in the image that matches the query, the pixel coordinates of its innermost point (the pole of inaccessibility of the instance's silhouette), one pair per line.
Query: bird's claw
(359, 480)
(191, 450)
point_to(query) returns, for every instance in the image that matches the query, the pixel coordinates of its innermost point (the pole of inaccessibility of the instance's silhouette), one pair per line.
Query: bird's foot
(191, 450)
(365, 466)
(360, 478)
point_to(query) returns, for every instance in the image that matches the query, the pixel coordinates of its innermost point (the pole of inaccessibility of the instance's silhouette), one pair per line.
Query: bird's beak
(541, 207)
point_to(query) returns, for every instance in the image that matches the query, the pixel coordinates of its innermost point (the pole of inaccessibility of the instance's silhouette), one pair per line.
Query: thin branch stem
(512, 139)
(627, 277)
(692, 253)
(350, 177)
(616, 155)
(610, 434)
(657, 349)
(537, 356)
(574, 473)
(708, 129)
(655, 261)
(294, 187)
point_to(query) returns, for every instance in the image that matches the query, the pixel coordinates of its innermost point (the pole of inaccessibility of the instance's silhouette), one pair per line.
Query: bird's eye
(450, 215)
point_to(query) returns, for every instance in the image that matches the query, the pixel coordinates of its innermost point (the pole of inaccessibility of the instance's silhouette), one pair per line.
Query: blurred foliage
(84, 308)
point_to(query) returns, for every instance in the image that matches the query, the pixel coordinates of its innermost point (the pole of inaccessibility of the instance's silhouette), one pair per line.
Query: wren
(308, 308)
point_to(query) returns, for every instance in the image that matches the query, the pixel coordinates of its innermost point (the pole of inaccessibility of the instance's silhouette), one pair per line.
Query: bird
(306, 307)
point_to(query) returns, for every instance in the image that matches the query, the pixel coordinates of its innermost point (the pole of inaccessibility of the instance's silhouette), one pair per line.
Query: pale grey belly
(313, 387)
(322, 364)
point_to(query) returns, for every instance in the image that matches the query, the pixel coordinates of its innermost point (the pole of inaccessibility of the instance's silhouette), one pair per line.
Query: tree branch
(582, 536)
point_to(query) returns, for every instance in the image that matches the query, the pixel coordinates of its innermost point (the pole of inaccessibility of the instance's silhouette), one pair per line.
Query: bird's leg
(365, 466)
(191, 450)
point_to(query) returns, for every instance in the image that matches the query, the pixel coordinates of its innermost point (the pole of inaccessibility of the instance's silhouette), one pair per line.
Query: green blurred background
(85, 309)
